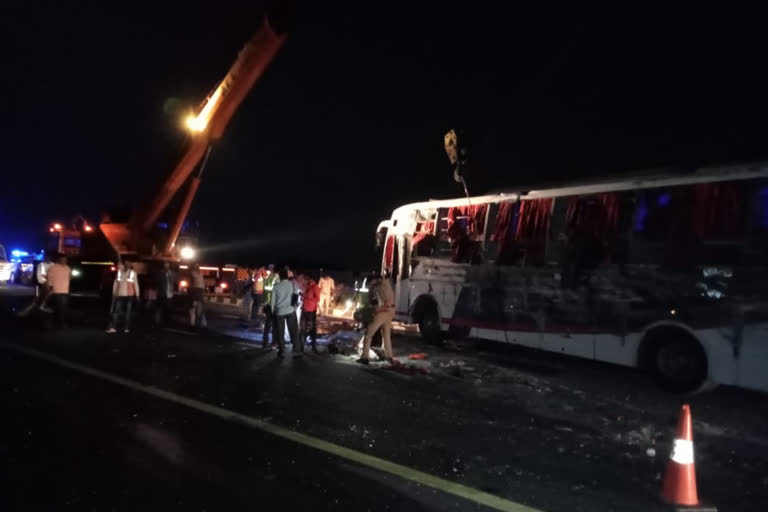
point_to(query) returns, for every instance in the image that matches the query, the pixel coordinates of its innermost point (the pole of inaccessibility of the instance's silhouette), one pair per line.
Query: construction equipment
(138, 237)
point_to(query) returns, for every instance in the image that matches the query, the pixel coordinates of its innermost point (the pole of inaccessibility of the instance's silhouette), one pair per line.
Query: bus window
(393, 256)
(424, 239)
(389, 250)
(588, 234)
(683, 226)
(465, 233)
(522, 229)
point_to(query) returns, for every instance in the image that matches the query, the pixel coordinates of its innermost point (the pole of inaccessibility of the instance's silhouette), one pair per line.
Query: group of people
(260, 282)
(160, 284)
(292, 302)
(289, 303)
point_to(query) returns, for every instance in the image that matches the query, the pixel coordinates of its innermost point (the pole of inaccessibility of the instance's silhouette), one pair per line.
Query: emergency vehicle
(6, 267)
(664, 272)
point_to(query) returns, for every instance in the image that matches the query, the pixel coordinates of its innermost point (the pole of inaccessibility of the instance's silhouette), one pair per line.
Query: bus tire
(429, 328)
(426, 315)
(677, 359)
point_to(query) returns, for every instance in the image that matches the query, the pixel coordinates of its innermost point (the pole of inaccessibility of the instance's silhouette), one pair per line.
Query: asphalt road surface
(161, 419)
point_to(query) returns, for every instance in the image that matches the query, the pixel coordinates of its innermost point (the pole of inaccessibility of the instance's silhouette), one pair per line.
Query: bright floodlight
(187, 253)
(194, 123)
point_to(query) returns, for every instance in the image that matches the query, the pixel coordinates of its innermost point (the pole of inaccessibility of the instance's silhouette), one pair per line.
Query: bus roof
(668, 179)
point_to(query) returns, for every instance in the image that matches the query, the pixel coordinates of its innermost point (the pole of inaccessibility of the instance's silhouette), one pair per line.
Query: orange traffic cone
(679, 485)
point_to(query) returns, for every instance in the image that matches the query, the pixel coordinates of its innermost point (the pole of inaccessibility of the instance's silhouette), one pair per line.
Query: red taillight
(112, 268)
(183, 284)
(224, 286)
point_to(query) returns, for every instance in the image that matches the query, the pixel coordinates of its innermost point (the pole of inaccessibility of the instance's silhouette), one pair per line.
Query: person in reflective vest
(270, 320)
(124, 290)
(257, 291)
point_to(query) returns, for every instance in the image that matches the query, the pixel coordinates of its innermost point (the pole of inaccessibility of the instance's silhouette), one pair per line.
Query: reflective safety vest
(269, 283)
(258, 284)
(126, 283)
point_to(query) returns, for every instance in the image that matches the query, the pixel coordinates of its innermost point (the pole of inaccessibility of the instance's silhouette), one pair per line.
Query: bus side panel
(720, 356)
(527, 339)
(616, 349)
(751, 365)
(580, 345)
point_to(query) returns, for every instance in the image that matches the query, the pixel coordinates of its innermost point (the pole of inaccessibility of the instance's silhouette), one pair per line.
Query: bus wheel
(429, 326)
(680, 364)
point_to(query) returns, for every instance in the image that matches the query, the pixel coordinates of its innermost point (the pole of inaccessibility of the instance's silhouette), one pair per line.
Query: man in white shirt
(41, 286)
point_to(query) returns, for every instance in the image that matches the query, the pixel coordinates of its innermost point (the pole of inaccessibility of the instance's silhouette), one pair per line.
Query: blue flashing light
(16, 253)
(664, 199)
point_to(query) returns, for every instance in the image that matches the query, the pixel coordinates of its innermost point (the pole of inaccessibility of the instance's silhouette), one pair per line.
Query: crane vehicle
(142, 237)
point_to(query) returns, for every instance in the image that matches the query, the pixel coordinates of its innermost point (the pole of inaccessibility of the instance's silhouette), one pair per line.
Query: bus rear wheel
(680, 365)
(429, 326)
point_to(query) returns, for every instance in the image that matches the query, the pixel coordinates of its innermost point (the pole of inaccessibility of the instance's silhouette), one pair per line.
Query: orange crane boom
(205, 126)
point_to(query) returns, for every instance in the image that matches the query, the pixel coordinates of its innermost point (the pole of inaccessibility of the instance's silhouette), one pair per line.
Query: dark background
(348, 122)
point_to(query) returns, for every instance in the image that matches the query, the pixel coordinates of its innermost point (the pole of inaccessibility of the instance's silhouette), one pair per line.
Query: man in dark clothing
(165, 282)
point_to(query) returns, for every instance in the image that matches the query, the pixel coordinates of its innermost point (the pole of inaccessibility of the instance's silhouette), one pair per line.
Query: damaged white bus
(668, 273)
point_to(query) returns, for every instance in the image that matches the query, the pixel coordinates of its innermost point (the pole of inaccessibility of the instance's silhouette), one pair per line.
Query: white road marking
(364, 459)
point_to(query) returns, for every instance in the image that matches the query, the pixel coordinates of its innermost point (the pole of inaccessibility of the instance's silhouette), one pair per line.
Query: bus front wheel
(429, 326)
(680, 364)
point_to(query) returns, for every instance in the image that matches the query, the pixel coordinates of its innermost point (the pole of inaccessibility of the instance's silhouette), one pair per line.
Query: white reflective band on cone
(682, 452)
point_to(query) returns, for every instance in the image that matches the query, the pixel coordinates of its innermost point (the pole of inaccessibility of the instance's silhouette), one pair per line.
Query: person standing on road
(285, 297)
(197, 295)
(270, 321)
(41, 286)
(124, 290)
(257, 292)
(165, 280)
(382, 319)
(58, 278)
(309, 312)
(244, 288)
(327, 286)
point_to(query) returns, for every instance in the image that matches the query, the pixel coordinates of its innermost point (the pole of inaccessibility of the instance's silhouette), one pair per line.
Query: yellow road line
(364, 459)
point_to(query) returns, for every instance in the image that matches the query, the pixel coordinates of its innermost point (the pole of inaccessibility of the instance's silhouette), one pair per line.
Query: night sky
(348, 122)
